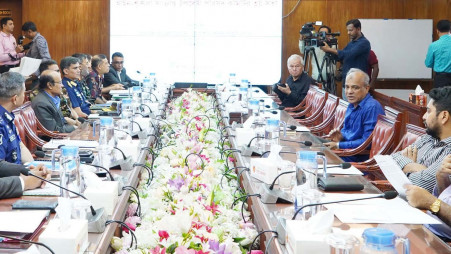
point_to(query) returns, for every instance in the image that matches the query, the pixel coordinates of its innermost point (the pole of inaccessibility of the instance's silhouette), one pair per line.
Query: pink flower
(158, 250)
(131, 210)
(184, 250)
(256, 252)
(163, 235)
(132, 222)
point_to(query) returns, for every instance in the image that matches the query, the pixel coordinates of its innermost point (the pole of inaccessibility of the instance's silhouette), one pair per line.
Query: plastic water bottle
(243, 95)
(232, 79)
(153, 80)
(147, 86)
(254, 108)
(107, 140)
(306, 169)
(70, 177)
(272, 131)
(382, 241)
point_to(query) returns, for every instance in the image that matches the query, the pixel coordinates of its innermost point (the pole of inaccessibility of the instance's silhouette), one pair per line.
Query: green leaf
(171, 249)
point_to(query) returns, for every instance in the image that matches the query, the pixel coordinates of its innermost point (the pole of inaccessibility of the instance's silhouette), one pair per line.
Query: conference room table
(265, 216)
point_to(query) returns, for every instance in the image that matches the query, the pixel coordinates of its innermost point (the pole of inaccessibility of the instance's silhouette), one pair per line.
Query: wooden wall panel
(335, 13)
(83, 25)
(16, 13)
(71, 25)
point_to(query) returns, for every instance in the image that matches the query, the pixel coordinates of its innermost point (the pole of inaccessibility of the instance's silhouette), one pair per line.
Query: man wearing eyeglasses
(117, 74)
(298, 83)
(360, 118)
(46, 104)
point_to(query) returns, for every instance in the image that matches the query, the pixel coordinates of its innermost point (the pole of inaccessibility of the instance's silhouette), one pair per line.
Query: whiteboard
(400, 45)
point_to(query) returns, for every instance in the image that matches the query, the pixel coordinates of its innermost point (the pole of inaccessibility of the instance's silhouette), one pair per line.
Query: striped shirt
(430, 153)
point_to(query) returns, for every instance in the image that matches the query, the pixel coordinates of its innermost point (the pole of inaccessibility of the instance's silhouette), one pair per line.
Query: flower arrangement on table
(188, 206)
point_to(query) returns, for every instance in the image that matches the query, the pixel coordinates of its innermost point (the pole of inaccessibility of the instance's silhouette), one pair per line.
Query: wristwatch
(435, 207)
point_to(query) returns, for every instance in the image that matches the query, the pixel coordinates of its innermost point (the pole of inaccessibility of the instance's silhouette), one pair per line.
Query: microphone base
(339, 184)
(96, 223)
(281, 230)
(274, 196)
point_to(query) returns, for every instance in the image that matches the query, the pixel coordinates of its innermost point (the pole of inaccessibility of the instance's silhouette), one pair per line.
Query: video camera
(26, 46)
(314, 39)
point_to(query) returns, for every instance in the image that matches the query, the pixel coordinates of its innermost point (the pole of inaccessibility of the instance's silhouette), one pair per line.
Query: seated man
(46, 104)
(100, 66)
(71, 72)
(438, 203)
(298, 83)
(117, 73)
(360, 118)
(12, 95)
(85, 66)
(12, 186)
(422, 159)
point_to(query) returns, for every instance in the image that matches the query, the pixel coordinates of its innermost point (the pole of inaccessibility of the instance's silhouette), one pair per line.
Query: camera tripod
(329, 62)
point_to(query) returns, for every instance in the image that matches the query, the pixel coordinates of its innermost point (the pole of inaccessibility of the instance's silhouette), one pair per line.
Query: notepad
(55, 143)
(21, 221)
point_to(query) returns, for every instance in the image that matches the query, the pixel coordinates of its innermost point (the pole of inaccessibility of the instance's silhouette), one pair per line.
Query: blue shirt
(9, 138)
(76, 95)
(359, 122)
(56, 100)
(439, 54)
(355, 55)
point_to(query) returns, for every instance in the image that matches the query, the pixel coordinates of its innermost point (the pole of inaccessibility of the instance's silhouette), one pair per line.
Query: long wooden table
(265, 215)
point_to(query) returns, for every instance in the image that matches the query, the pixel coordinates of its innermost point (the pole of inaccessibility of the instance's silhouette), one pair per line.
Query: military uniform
(9, 138)
(65, 105)
(76, 95)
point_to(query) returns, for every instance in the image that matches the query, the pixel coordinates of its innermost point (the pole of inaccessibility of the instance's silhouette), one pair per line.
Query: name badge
(12, 138)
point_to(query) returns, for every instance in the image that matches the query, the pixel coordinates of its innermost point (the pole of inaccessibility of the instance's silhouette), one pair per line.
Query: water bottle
(136, 100)
(232, 79)
(249, 90)
(70, 177)
(272, 131)
(153, 80)
(147, 86)
(107, 140)
(306, 169)
(253, 108)
(127, 113)
(382, 241)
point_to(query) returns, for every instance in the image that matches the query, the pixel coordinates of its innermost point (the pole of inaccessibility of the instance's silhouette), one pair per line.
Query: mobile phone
(282, 85)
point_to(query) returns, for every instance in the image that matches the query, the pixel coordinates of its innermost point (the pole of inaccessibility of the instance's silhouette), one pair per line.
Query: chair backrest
(20, 126)
(30, 117)
(328, 112)
(317, 102)
(310, 95)
(413, 132)
(340, 113)
(393, 113)
(384, 135)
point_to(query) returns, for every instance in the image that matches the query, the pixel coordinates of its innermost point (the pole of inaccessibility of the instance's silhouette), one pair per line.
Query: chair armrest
(361, 149)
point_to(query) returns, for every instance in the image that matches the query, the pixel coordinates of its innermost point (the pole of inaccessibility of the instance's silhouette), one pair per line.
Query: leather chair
(36, 126)
(314, 107)
(20, 126)
(413, 132)
(304, 103)
(326, 112)
(381, 139)
(31, 140)
(317, 110)
(337, 121)
(328, 116)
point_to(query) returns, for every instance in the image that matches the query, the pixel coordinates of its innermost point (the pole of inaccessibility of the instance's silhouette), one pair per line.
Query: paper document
(27, 66)
(48, 190)
(393, 173)
(335, 169)
(54, 143)
(21, 221)
(378, 210)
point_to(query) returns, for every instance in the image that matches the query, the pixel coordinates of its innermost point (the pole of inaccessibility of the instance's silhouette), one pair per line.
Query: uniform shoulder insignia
(1, 139)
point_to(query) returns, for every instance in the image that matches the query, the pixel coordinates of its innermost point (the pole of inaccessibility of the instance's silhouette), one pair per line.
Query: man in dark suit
(13, 184)
(46, 104)
(117, 73)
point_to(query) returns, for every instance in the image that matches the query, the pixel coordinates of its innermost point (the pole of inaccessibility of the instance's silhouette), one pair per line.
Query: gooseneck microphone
(387, 195)
(28, 173)
(306, 143)
(277, 177)
(105, 169)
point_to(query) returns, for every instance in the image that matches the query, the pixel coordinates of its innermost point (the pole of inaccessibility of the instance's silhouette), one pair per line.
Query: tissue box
(244, 135)
(71, 241)
(299, 240)
(104, 196)
(420, 100)
(129, 147)
(263, 169)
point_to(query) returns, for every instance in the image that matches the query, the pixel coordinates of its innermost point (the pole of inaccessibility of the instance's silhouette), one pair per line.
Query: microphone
(306, 143)
(96, 219)
(387, 195)
(106, 170)
(125, 163)
(247, 150)
(344, 165)
(271, 196)
(281, 227)
(230, 97)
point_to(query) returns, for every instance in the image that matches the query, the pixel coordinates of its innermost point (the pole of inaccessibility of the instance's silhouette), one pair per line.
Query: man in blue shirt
(355, 54)
(360, 118)
(12, 94)
(70, 66)
(439, 55)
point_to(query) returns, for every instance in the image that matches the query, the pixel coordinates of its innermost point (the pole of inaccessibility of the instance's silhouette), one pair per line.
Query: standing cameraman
(355, 54)
(319, 55)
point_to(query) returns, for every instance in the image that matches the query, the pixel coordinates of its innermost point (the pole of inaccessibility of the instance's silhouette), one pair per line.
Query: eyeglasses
(121, 62)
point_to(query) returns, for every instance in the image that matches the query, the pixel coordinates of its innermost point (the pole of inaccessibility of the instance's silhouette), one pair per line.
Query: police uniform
(76, 95)
(9, 138)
